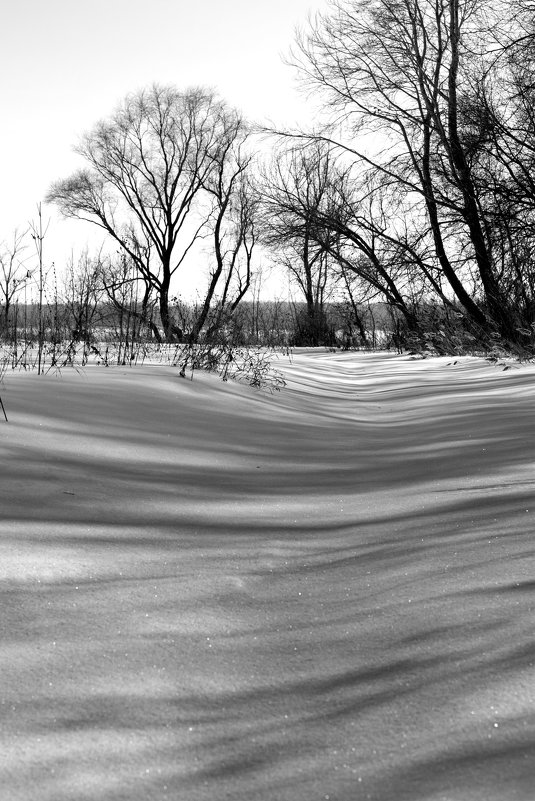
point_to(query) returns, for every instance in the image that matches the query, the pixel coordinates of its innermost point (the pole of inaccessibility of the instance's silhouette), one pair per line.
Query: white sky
(65, 64)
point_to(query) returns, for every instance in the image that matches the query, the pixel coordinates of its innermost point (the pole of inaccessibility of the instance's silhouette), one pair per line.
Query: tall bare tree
(148, 164)
(397, 76)
(328, 224)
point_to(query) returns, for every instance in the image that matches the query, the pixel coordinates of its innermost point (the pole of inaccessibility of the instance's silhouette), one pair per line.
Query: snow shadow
(326, 593)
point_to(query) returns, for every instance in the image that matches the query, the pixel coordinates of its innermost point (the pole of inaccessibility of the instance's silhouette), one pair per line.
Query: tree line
(415, 189)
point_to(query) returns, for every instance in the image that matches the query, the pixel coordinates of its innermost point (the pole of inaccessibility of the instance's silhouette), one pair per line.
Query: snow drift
(212, 592)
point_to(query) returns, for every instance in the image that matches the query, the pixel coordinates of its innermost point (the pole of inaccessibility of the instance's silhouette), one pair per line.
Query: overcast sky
(64, 64)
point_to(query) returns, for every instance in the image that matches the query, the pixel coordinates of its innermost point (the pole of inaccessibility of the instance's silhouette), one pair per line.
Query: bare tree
(148, 164)
(396, 76)
(82, 294)
(498, 125)
(295, 190)
(14, 273)
(327, 222)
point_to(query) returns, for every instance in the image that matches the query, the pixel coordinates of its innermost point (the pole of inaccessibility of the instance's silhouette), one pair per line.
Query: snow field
(211, 592)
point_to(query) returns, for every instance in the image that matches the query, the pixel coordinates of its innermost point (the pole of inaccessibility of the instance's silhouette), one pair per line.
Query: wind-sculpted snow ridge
(213, 592)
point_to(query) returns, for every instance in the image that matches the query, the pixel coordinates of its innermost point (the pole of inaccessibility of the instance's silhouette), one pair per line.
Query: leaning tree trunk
(496, 302)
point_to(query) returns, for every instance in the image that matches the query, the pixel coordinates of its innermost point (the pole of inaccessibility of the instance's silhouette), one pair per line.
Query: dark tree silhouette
(150, 165)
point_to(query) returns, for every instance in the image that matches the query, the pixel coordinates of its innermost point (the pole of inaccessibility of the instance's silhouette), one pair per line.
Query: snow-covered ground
(210, 592)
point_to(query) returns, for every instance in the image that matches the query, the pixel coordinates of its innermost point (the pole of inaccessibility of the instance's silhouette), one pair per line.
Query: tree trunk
(497, 306)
